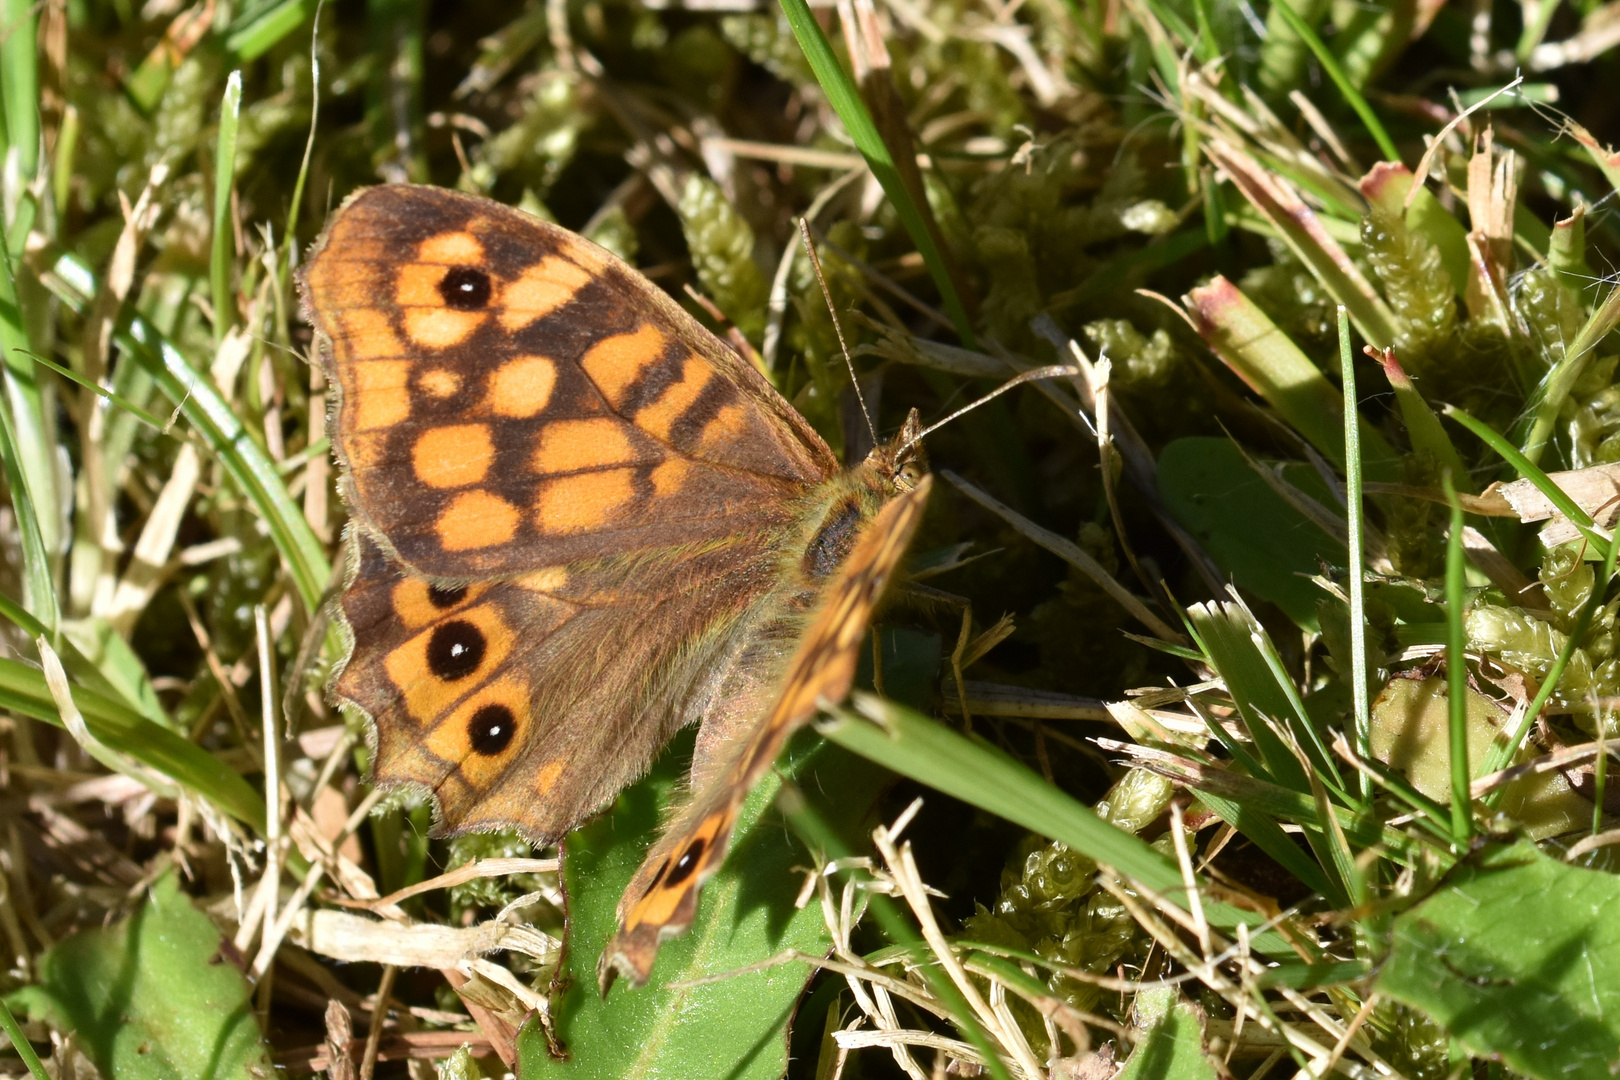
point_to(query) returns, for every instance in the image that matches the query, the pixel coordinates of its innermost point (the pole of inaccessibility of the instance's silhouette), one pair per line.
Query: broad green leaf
(1411, 732)
(153, 997)
(1517, 955)
(1171, 1046)
(1269, 547)
(735, 1027)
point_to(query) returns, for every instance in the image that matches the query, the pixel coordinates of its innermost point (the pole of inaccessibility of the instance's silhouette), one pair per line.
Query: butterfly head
(902, 460)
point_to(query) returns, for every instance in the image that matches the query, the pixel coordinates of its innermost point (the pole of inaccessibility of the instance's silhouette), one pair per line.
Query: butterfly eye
(465, 288)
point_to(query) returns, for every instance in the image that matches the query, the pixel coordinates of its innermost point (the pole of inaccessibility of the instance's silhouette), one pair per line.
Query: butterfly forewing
(512, 396)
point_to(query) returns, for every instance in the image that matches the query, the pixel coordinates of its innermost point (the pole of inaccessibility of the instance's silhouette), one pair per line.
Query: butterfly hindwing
(513, 396)
(528, 702)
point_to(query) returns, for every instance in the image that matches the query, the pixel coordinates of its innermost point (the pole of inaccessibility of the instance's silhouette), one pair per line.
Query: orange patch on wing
(365, 449)
(548, 774)
(449, 739)
(543, 288)
(425, 695)
(379, 392)
(476, 519)
(668, 477)
(441, 327)
(550, 580)
(521, 387)
(417, 285)
(659, 418)
(455, 455)
(615, 363)
(455, 248)
(659, 904)
(415, 610)
(584, 501)
(368, 335)
(571, 445)
(725, 428)
(440, 382)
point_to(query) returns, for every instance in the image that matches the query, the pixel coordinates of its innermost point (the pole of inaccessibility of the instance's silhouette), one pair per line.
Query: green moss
(722, 246)
(492, 892)
(1414, 279)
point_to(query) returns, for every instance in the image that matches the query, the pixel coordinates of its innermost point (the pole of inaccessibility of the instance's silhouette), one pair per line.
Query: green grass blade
(1227, 632)
(1360, 704)
(1462, 818)
(149, 419)
(29, 475)
(846, 102)
(1266, 358)
(1531, 472)
(19, 1043)
(1330, 64)
(932, 754)
(121, 729)
(1264, 832)
(1502, 752)
(19, 90)
(248, 39)
(1270, 191)
(1556, 386)
(290, 241)
(1423, 426)
(223, 255)
(213, 418)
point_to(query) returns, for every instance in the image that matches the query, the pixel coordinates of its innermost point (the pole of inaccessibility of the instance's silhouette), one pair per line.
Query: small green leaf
(1517, 955)
(153, 996)
(1171, 1047)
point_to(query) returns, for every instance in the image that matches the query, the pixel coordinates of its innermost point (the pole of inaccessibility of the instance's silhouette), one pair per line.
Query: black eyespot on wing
(455, 650)
(446, 598)
(832, 543)
(686, 864)
(465, 288)
(491, 729)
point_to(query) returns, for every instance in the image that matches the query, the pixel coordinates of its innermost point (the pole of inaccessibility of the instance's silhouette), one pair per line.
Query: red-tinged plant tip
(1275, 198)
(1266, 358)
(1422, 425)
(1397, 376)
(1606, 159)
(1386, 184)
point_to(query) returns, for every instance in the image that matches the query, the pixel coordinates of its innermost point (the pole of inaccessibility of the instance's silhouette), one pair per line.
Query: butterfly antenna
(815, 264)
(1052, 372)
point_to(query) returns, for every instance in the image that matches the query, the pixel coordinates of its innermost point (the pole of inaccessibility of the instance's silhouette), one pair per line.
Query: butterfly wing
(512, 396)
(662, 897)
(528, 702)
(566, 495)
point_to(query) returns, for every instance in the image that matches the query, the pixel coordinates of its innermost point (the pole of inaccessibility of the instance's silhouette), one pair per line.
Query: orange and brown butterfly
(580, 522)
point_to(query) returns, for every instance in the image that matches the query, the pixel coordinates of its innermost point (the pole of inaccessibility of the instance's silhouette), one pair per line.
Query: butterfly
(579, 523)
